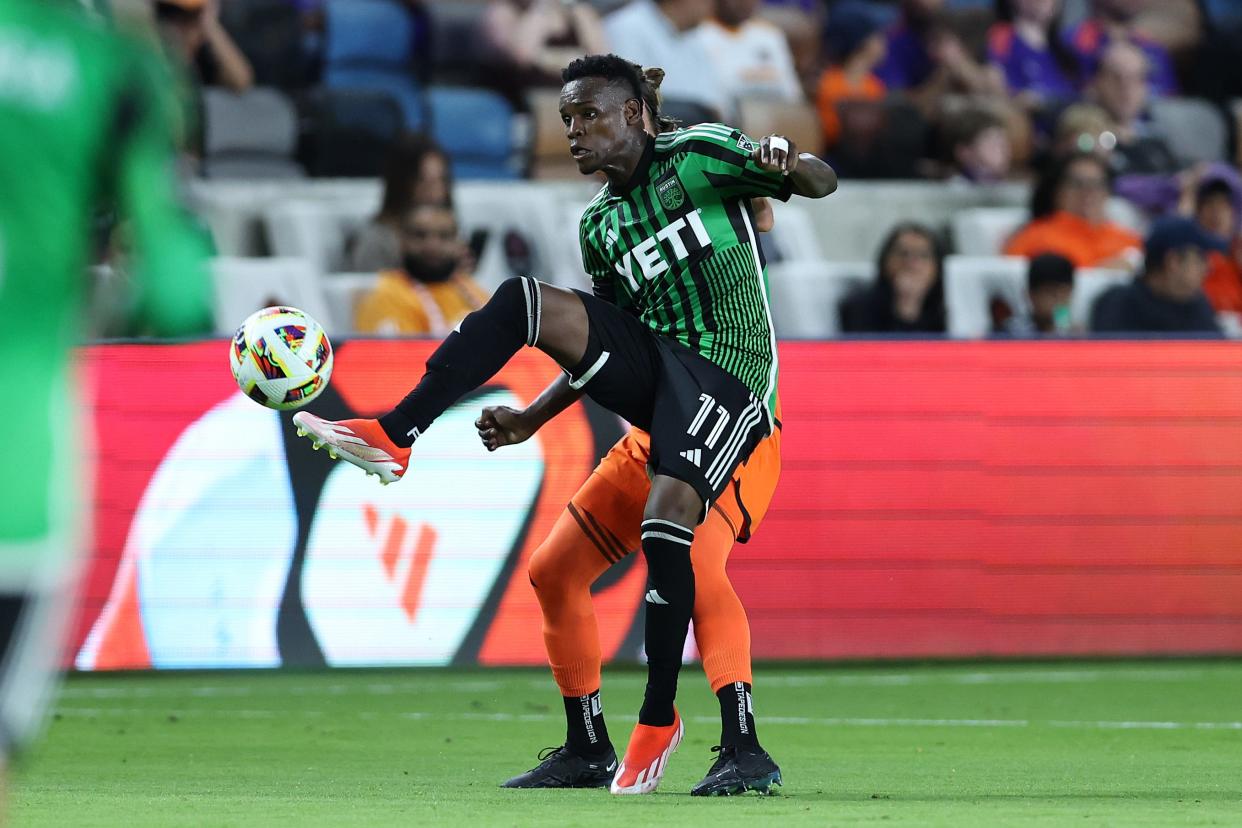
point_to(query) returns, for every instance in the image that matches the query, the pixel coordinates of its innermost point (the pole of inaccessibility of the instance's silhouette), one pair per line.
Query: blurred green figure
(84, 126)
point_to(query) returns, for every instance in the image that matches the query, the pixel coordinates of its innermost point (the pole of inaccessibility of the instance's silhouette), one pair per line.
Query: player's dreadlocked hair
(645, 83)
(652, 78)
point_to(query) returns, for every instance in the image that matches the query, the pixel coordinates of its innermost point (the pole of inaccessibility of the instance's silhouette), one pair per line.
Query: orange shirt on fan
(1083, 243)
(1223, 285)
(835, 87)
(401, 305)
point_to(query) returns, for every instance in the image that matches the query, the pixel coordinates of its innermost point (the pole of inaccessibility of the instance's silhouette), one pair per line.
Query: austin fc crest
(671, 194)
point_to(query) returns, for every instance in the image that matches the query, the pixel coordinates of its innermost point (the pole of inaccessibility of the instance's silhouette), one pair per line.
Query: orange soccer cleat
(361, 442)
(647, 756)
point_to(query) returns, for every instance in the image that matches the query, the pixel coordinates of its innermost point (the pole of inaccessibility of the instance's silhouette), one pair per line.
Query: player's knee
(675, 501)
(548, 576)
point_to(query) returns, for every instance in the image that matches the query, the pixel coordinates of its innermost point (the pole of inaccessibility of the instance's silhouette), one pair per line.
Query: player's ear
(633, 110)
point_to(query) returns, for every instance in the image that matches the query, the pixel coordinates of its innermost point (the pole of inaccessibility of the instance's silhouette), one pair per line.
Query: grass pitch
(1078, 744)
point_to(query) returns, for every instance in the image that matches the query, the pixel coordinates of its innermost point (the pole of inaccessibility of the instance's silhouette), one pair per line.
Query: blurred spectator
(979, 151)
(531, 41)
(1218, 210)
(663, 33)
(1121, 88)
(1025, 43)
(196, 43)
(802, 23)
(1049, 287)
(928, 60)
(1084, 127)
(1168, 296)
(432, 290)
(908, 294)
(856, 46)
(750, 56)
(1069, 217)
(191, 33)
(1111, 21)
(417, 172)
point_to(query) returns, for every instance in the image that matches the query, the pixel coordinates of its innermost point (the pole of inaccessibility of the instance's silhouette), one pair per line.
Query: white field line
(800, 721)
(830, 679)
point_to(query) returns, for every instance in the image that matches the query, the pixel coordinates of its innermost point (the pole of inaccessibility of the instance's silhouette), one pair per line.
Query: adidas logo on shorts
(695, 456)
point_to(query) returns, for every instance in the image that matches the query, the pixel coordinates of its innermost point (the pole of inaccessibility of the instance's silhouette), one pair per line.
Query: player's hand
(765, 218)
(776, 153)
(500, 425)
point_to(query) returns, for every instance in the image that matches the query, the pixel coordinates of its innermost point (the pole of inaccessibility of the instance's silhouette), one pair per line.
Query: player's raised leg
(522, 311)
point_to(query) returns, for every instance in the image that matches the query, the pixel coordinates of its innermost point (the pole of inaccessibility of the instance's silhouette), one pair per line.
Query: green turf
(969, 745)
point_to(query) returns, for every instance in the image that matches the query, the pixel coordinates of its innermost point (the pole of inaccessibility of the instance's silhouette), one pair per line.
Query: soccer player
(677, 339)
(600, 527)
(83, 128)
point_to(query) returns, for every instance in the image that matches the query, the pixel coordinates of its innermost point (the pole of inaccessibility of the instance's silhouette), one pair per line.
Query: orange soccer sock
(562, 570)
(720, 626)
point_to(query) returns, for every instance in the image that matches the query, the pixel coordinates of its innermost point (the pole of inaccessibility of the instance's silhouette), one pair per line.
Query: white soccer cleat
(360, 442)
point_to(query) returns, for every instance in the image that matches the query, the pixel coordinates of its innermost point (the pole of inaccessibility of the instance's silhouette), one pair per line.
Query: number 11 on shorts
(707, 402)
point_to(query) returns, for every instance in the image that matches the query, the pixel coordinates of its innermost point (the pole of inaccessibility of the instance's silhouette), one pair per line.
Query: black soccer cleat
(562, 768)
(738, 770)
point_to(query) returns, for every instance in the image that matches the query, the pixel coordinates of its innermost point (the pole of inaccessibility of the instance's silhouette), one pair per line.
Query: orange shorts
(614, 496)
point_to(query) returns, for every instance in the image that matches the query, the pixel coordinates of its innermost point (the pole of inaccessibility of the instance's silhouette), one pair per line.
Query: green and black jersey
(677, 248)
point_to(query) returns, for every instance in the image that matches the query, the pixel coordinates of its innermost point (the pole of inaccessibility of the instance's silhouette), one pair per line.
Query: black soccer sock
(585, 731)
(468, 357)
(669, 604)
(737, 718)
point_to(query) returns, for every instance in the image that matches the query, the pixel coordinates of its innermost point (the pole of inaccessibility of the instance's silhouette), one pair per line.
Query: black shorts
(703, 421)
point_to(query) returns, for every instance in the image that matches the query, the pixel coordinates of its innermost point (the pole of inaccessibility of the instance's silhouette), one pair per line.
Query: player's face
(600, 122)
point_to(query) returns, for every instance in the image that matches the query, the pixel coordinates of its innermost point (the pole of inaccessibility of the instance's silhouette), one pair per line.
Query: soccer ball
(281, 358)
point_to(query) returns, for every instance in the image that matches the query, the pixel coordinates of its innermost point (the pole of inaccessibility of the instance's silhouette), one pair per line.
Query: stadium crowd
(1112, 123)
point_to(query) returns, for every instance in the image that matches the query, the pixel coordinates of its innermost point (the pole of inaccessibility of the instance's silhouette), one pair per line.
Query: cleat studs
(301, 431)
(332, 452)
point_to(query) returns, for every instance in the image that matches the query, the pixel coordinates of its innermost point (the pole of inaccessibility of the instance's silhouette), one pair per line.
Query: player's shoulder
(703, 136)
(593, 209)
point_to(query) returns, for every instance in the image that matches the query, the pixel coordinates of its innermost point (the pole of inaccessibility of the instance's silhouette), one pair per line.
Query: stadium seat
(348, 131)
(983, 231)
(315, 230)
(243, 286)
(793, 238)
(1089, 283)
(249, 135)
(342, 291)
(970, 285)
(806, 296)
(796, 121)
(523, 227)
(476, 127)
(455, 43)
(1194, 129)
(369, 44)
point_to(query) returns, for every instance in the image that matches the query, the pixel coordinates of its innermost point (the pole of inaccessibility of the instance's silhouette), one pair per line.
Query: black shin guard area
(669, 605)
(470, 356)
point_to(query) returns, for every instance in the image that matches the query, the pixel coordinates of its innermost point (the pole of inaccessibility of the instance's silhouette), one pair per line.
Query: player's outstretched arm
(500, 425)
(810, 176)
